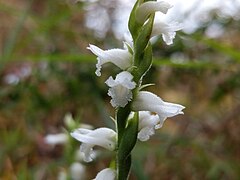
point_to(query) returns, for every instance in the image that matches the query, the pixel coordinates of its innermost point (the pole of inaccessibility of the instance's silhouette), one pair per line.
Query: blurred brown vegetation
(47, 72)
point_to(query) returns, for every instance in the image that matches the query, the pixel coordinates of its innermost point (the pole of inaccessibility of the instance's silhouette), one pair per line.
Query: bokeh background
(46, 72)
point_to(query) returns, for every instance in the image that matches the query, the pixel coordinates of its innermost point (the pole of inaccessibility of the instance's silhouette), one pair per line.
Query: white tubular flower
(147, 101)
(147, 125)
(120, 89)
(54, 139)
(145, 9)
(167, 30)
(106, 174)
(120, 57)
(103, 137)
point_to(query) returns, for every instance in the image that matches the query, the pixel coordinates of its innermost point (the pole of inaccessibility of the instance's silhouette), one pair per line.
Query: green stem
(126, 142)
(121, 117)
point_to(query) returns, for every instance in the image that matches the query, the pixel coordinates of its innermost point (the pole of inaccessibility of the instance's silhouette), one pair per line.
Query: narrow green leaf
(133, 25)
(144, 65)
(142, 41)
(122, 116)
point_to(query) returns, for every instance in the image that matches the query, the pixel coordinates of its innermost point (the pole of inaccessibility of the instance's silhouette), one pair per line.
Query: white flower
(167, 30)
(147, 125)
(120, 57)
(77, 171)
(120, 89)
(147, 101)
(106, 174)
(103, 137)
(145, 9)
(54, 139)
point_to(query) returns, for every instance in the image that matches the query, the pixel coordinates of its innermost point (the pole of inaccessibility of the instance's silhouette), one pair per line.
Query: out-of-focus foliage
(47, 72)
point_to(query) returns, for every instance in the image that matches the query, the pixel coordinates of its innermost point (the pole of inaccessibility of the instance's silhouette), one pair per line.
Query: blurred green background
(47, 72)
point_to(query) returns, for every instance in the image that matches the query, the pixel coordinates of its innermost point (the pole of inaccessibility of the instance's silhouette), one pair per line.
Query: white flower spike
(120, 89)
(103, 137)
(147, 101)
(106, 174)
(167, 30)
(120, 57)
(145, 9)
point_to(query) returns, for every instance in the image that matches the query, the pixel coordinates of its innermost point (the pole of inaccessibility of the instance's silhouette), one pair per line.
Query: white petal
(106, 174)
(145, 133)
(145, 9)
(120, 89)
(54, 139)
(80, 155)
(124, 78)
(111, 82)
(168, 37)
(147, 101)
(103, 137)
(87, 150)
(147, 119)
(147, 124)
(120, 57)
(120, 96)
(167, 29)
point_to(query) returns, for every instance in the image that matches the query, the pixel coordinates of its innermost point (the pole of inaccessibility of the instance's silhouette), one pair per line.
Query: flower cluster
(138, 113)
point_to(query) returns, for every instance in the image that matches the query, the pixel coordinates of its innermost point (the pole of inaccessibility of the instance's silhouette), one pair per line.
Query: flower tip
(98, 73)
(90, 47)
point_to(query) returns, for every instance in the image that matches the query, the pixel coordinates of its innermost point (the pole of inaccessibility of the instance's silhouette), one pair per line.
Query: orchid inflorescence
(138, 113)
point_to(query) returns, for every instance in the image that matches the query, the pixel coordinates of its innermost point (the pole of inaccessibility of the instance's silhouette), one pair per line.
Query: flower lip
(119, 57)
(147, 124)
(120, 89)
